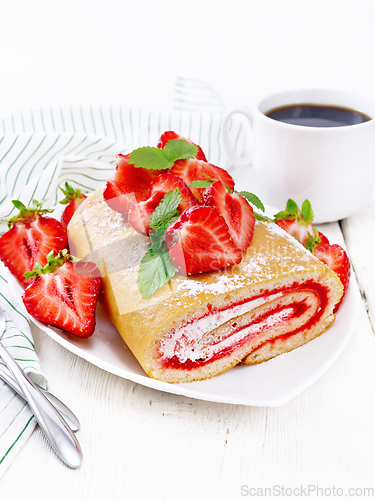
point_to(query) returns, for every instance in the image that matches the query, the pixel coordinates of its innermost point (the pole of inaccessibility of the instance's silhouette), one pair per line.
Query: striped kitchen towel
(41, 148)
(16, 420)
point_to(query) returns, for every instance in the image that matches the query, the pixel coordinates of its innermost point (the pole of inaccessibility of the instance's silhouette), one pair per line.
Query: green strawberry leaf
(178, 149)
(27, 212)
(307, 212)
(284, 215)
(70, 193)
(292, 208)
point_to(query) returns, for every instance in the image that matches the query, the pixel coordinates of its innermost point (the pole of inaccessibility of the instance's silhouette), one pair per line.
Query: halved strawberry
(128, 186)
(335, 257)
(73, 199)
(31, 236)
(192, 170)
(61, 297)
(168, 136)
(235, 209)
(199, 241)
(140, 213)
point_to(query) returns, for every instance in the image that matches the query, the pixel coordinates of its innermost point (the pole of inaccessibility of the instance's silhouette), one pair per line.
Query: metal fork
(55, 428)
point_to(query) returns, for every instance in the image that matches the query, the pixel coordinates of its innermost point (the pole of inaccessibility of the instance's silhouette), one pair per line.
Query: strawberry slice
(31, 237)
(192, 170)
(235, 209)
(168, 136)
(335, 257)
(73, 199)
(59, 296)
(128, 186)
(199, 241)
(140, 213)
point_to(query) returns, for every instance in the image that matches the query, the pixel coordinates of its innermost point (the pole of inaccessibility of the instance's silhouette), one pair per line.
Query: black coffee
(311, 115)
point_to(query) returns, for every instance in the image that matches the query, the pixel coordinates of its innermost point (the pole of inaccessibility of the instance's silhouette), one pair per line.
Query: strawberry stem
(53, 263)
(70, 194)
(27, 213)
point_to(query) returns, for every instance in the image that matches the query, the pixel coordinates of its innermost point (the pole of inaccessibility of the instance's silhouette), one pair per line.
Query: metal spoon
(57, 431)
(64, 411)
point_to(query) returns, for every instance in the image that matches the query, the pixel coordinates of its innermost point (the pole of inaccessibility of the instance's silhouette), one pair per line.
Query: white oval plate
(269, 384)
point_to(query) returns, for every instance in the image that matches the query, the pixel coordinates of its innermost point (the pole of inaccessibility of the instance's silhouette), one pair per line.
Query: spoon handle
(61, 438)
(64, 411)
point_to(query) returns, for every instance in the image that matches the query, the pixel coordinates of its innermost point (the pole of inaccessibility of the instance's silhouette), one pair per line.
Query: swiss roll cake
(276, 299)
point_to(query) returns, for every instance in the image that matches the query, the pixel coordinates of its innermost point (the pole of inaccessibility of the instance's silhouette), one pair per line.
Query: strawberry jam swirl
(202, 341)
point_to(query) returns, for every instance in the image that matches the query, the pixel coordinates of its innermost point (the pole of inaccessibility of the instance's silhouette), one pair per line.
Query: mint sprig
(156, 267)
(162, 159)
(155, 270)
(166, 212)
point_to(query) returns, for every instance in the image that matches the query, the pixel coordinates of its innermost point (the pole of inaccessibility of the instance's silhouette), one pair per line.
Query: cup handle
(236, 160)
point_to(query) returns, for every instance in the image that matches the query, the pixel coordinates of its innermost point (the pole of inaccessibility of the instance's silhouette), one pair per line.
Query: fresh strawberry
(322, 240)
(237, 213)
(199, 241)
(128, 186)
(192, 170)
(30, 238)
(73, 199)
(168, 136)
(61, 297)
(298, 223)
(140, 213)
(335, 257)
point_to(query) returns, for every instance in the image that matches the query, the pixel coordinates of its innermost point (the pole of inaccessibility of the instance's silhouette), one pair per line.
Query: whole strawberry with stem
(298, 223)
(73, 199)
(63, 294)
(31, 236)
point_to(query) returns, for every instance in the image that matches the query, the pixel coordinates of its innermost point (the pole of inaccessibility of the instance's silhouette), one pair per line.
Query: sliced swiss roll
(276, 299)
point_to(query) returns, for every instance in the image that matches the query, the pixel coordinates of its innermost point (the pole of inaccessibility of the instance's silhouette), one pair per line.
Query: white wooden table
(139, 443)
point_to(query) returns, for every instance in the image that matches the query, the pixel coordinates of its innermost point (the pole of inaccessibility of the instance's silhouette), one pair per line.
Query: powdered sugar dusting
(191, 287)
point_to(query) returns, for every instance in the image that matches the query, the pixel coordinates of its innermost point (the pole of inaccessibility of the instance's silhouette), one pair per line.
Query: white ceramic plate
(269, 384)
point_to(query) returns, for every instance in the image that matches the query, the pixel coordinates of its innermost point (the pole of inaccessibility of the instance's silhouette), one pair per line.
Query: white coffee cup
(333, 167)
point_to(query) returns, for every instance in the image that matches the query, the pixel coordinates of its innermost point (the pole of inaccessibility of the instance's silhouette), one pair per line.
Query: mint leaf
(262, 218)
(150, 158)
(162, 159)
(200, 184)
(178, 149)
(166, 212)
(155, 270)
(253, 199)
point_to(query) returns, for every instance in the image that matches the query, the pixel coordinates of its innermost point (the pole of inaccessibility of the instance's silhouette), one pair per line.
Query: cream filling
(186, 342)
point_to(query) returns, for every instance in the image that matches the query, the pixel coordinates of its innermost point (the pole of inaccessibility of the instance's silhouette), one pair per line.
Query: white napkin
(42, 148)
